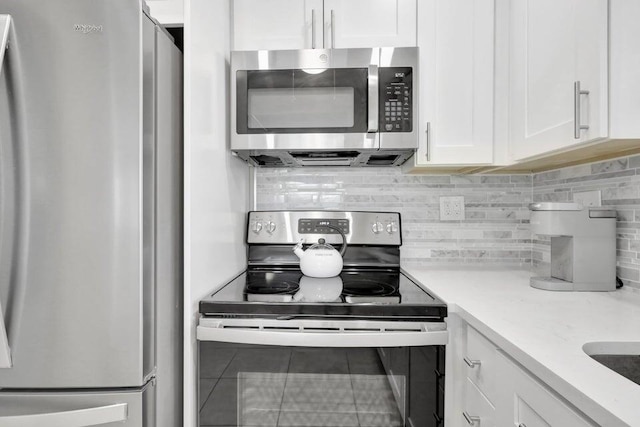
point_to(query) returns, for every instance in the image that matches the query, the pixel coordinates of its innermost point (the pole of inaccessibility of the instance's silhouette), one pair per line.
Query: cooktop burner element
(369, 289)
(283, 287)
(370, 286)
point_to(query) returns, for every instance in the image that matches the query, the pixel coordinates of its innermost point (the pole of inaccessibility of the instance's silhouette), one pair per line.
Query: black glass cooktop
(285, 293)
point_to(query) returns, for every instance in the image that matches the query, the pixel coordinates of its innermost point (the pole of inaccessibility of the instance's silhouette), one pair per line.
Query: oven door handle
(319, 338)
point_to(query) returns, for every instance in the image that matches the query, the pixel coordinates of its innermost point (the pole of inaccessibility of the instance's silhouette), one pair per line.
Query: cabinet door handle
(577, 92)
(428, 132)
(333, 29)
(313, 28)
(471, 419)
(522, 425)
(472, 363)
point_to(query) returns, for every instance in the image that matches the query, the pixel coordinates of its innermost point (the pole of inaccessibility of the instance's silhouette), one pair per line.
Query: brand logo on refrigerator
(87, 28)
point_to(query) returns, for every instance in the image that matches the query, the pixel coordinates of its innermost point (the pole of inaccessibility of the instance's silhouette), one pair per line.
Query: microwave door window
(301, 108)
(302, 101)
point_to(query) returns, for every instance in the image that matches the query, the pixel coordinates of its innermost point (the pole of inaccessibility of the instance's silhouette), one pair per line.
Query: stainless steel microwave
(324, 107)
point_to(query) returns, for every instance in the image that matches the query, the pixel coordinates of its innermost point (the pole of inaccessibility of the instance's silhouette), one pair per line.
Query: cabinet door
(556, 43)
(277, 24)
(456, 41)
(477, 410)
(369, 23)
(525, 401)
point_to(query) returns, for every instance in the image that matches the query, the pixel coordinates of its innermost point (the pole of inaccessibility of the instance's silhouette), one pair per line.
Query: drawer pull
(522, 425)
(471, 419)
(472, 363)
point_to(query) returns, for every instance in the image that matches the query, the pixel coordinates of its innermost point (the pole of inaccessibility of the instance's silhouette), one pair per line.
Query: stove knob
(392, 227)
(256, 227)
(376, 227)
(271, 227)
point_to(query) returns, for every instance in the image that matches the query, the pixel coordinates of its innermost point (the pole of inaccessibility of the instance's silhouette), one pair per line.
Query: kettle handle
(298, 245)
(344, 239)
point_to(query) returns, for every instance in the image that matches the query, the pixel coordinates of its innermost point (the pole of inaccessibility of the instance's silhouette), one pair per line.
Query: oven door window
(251, 385)
(302, 101)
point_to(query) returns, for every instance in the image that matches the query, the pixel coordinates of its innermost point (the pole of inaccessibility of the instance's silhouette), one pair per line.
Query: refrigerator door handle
(5, 350)
(75, 418)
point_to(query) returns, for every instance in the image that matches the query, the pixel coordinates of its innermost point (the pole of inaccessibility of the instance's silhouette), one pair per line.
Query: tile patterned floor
(296, 388)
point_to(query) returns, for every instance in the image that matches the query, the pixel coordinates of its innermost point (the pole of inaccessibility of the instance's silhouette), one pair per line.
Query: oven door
(321, 373)
(309, 100)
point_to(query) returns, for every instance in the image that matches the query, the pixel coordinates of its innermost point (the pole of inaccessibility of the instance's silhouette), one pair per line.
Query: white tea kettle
(313, 289)
(321, 259)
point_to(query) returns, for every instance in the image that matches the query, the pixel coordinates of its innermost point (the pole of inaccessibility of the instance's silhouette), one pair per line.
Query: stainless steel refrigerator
(90, 216)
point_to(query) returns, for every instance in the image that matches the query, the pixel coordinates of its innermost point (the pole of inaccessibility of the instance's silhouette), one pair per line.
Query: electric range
(370, 339)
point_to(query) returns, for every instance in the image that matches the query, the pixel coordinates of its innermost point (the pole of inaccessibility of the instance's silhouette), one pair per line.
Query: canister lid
(555, 206)
(594, 212)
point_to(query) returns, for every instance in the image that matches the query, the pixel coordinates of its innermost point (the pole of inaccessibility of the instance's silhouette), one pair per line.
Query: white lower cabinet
(526, 402)
(480, 361)
(476, 408)
(489, 388)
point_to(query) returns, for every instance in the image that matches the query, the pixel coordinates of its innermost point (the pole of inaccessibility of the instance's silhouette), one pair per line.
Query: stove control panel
(322, 226)
(289, 227)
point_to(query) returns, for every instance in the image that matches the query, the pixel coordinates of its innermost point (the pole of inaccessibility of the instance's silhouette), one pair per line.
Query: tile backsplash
(496, 225)
(495, 229)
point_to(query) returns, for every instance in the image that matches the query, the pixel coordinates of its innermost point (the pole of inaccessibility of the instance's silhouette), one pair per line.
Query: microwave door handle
(374, 95)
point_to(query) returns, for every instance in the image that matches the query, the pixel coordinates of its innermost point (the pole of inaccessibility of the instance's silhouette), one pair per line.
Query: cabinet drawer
(477, 411)
(528, 402)
(480, 363)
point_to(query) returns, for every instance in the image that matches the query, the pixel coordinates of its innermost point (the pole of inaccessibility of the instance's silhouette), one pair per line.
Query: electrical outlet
(452, 208)
(588, 198)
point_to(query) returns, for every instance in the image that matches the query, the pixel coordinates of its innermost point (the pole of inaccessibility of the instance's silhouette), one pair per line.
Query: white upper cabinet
(624, 57)
(369, 23)
(307, 24)
(457, 72)
(277, 24)
(558, 75)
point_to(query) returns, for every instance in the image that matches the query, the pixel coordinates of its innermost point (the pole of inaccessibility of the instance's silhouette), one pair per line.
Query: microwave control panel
(396, 99)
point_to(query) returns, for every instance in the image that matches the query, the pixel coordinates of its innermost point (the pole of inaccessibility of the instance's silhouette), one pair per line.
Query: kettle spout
(297, 249)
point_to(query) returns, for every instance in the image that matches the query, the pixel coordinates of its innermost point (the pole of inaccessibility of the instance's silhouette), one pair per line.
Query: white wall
(169, 13)
(216, 184)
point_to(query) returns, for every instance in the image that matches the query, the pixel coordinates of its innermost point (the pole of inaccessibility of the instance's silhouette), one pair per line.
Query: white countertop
(545, 332)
